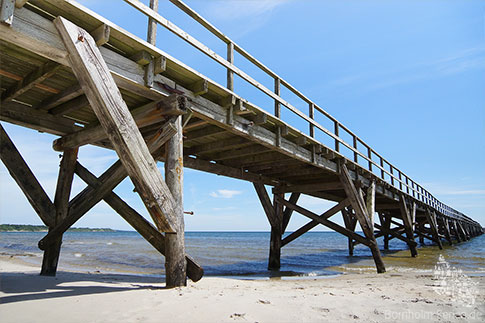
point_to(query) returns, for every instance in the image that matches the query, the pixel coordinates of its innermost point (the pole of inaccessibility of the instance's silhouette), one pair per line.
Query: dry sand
(359, 297)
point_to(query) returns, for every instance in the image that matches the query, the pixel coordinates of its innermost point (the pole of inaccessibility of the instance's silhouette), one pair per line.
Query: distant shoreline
(43, 228)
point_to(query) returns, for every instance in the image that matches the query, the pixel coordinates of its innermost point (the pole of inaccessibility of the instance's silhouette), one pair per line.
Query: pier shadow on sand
(19, 287)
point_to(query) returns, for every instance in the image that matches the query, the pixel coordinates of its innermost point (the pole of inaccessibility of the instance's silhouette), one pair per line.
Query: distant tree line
(41, 228)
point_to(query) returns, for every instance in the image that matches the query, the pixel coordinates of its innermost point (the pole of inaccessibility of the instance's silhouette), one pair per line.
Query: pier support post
(61, 203)
(421, 229)
(457, 231)
(175, 265)
(406, 218)
(446, 229)
(360, 210)
(386, 224)
(274, 262)
(431, 217)
(350, 222)
(274, 213)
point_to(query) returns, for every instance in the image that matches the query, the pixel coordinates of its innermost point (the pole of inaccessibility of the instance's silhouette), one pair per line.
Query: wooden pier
(70, 72)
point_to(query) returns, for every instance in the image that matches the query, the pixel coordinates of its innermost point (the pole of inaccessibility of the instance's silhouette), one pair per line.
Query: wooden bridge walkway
(88, 81)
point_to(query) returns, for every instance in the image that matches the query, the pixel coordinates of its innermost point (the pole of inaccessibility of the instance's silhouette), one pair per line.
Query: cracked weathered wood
(105, 99)
(61, 203)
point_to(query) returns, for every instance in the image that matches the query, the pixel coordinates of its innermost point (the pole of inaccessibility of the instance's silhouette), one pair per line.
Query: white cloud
(238, 9)
(227, 194)
(241, 17)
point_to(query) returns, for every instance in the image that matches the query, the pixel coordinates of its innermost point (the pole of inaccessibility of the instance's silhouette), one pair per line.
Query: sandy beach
(97, 297)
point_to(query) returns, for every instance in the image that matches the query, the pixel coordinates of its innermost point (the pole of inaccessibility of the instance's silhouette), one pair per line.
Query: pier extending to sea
(68, 71)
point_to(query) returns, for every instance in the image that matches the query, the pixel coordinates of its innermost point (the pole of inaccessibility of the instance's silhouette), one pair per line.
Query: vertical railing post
(311, 114)
(407, 184)
(277, 106)
(354, 144)
(230, 73)
(369, 155)
(381, 162)
(152, 24)
(336, 131)
(392, 174)
(400, 180)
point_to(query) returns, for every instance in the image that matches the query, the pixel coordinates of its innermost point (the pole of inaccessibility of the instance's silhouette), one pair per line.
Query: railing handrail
(399, 181)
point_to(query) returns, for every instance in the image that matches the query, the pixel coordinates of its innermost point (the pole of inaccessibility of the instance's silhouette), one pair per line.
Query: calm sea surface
(242, 254)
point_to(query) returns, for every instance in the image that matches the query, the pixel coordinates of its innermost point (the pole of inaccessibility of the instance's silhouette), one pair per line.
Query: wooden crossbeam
(407, 223)
(360, 210)
(289, 211)
(395, 233)
(427, 235)
(219, 145)
(310, 225)
(138, 222)
(32, 79)
(325, 222)
(70, 106)
(59, 98)
(107, 103)
(240, 153)
(317, 187)
(22, 115)
(224, 170)
(379, 234)
(101, 34)
(90, 196)
(61, 203)
(144, 115)
(25, 179)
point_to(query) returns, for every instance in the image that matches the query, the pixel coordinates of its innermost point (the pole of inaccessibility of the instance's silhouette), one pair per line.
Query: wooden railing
(381, 168)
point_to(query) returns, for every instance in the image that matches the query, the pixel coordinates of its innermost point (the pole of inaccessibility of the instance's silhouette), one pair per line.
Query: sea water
(242, 254)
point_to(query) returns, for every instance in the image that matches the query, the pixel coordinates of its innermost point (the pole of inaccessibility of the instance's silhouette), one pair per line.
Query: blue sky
(407, 76)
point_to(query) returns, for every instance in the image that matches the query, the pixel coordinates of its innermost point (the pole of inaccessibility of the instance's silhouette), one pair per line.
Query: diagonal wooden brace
(112, 112)
(144, 115)
(266, 203)
(406, 218)
(93, 194)
(21, 173)
(138, 222)
(431, 217)
(322, 220)
(361, 213)
(310, 225)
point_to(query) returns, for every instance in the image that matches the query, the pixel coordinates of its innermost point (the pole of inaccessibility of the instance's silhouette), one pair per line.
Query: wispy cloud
(252, 14)
(239, 9)
(460, 62)
(226, 194)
